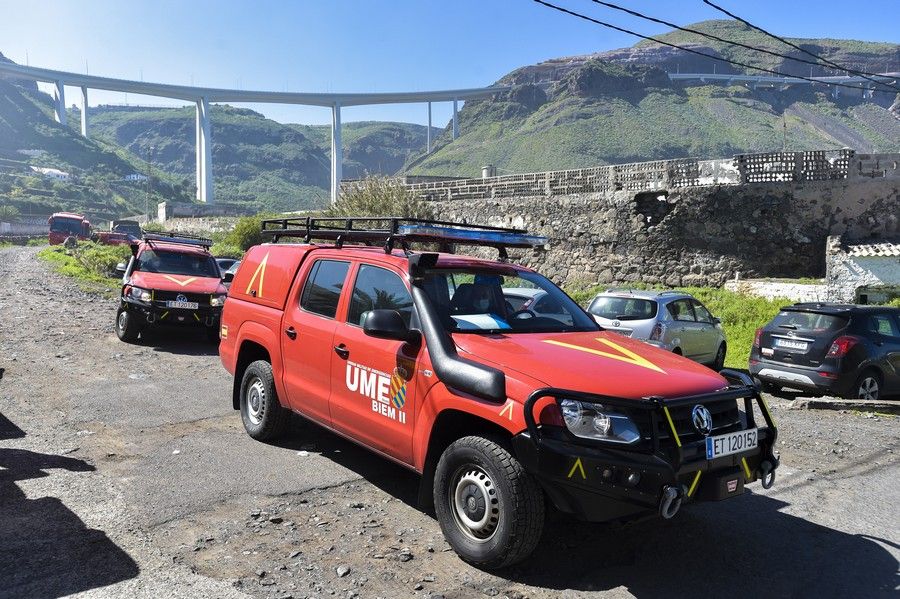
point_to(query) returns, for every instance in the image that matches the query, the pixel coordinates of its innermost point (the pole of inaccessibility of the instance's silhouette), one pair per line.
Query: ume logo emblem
(387, 392)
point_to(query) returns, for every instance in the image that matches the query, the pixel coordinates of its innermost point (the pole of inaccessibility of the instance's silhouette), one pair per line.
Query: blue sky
(373, 45)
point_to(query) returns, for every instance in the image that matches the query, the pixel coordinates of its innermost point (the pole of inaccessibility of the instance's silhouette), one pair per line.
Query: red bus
(68, 224)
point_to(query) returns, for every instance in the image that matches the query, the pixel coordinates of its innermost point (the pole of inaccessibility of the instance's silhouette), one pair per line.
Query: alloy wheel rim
(868, 389)
(474, 503)
(123, 320)
(256, 399)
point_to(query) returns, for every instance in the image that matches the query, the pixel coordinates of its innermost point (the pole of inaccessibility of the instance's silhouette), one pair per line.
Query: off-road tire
(868, 375)
(719, 361)
(127, 326)
(263, 416)
(518, 499)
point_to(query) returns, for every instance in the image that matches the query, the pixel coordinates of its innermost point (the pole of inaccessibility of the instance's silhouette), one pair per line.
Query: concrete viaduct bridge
(866, 85)
(202, 96)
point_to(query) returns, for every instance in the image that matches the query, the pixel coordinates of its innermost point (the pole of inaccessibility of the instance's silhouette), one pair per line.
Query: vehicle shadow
(745, 546)
(46, 550)
(188, 342)
(303, 435)
(8, 429)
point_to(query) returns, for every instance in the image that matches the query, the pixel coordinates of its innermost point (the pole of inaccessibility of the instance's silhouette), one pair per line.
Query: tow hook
(151, 317)
(210, 321)
(670, 503)
(768, 474)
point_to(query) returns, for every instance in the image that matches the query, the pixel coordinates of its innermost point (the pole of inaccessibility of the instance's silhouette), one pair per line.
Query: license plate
(183, 305)
(791, 344)
(730, 443)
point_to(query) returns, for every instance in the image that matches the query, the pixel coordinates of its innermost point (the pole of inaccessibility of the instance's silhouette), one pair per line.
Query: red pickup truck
(419, 357)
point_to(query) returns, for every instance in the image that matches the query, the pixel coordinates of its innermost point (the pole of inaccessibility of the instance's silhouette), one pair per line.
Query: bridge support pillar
(337, 152)
(84, 109)
(835, 92)
(60, 111)
(455, 119)
(428, 133)
(204, 153)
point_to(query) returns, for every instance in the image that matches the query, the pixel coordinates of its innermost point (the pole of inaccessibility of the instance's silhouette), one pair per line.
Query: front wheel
(490, 509)
(127, 326)
(262, 414)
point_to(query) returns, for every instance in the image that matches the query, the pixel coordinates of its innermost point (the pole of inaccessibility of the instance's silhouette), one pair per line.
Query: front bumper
(156, 313)
(600, 482)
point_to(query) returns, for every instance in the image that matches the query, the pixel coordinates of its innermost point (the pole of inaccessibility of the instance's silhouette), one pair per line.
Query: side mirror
(120, 268)
(717, 320)
(388, 324)
(228, 277)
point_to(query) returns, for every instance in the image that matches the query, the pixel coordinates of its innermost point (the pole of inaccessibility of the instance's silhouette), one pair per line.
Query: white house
(52, 173)
(865, 273)
(135, 177)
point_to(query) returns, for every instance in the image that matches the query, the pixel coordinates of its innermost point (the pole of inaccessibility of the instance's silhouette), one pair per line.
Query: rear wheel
(127, 326)
(490, 509)
(868, 386)
(262, 414)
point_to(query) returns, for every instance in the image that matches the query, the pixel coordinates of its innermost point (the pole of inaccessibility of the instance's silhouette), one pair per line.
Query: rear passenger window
(378, 289)
(681, 310)
(883, 324)
(323, 287)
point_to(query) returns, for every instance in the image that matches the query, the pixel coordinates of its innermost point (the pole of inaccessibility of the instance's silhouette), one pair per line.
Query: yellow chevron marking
(746, 469)
(507, 409)
(577, 466)
(694, 484)
(624, 355)
(672, 426)
(261, 273)
(183, 283)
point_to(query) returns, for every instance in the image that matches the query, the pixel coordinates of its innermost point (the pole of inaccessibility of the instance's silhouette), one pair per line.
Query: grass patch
(92, 265)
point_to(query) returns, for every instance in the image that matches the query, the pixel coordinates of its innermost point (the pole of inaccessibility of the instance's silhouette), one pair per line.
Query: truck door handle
(291, 332)
(342, 351)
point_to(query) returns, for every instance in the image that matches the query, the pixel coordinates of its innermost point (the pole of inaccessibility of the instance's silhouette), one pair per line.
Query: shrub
(246, 233)
(379, 196)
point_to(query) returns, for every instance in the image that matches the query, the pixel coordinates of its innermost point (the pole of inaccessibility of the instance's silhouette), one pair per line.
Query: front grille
(171, 296)
(725, 415)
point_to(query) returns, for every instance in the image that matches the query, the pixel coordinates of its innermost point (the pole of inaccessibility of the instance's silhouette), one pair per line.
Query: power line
(739, 44)
(792, 44)
(682, 48)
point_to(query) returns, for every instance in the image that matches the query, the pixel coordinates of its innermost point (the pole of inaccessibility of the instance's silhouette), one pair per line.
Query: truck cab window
(323, 287)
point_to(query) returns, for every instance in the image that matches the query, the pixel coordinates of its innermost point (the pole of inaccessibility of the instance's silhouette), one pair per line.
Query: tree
(379, 196)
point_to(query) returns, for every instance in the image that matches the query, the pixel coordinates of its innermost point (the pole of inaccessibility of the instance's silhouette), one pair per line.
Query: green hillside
(372, 147)
(30, 137)
(620, 106)
(255, 160)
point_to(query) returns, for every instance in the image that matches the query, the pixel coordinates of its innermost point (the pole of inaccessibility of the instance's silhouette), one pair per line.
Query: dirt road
(125, 472)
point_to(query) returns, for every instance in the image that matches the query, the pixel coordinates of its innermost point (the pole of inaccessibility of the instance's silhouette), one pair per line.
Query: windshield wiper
(788, 326)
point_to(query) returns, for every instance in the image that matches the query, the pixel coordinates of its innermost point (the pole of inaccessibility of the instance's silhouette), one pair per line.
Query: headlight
(596, 421)
(217, 300)
(140, 294)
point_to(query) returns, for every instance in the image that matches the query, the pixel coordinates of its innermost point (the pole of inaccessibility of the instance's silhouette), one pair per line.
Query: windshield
(623, 308)
(485, 301)
(67, 225)
(176, 263)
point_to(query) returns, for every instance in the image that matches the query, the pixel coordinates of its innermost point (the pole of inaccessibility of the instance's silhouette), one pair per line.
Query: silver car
(672, 320)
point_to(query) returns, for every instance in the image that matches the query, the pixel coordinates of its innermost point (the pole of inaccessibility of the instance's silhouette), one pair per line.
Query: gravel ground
(125, 472)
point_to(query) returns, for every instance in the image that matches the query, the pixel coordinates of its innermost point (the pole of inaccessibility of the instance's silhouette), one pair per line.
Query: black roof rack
(394, 231)
(175, 237)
